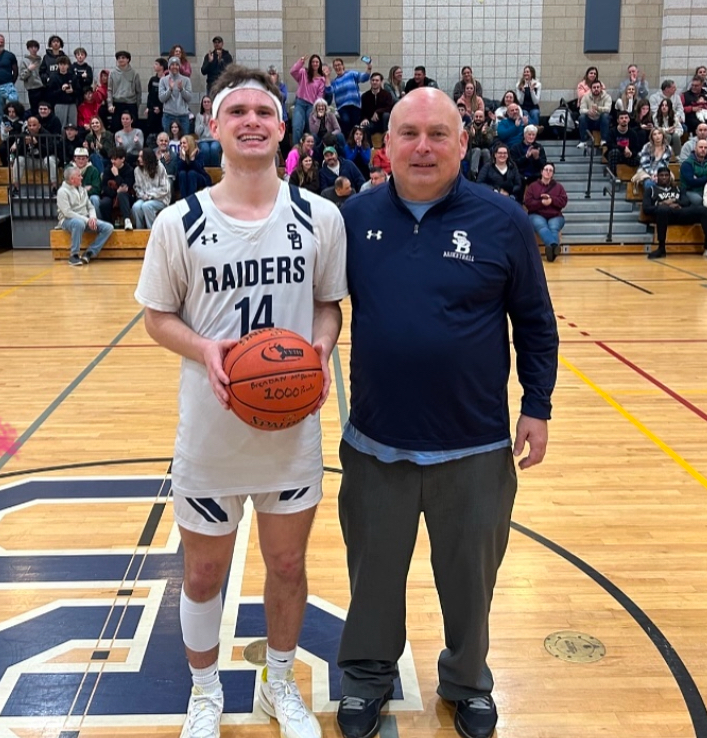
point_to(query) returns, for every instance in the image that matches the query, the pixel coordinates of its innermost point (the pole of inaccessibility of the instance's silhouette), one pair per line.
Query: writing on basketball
(251, 272)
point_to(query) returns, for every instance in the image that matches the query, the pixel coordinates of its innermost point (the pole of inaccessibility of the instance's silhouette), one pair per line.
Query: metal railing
(35, 174)
(614, 183)
(563, 106)
(589, 139)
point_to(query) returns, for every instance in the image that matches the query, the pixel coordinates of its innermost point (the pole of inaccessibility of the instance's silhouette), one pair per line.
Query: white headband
(250, 84)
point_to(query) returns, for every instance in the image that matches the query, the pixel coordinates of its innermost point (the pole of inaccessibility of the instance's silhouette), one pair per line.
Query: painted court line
(25, 283)
(625, 281)
(637, 424)
(68, 390)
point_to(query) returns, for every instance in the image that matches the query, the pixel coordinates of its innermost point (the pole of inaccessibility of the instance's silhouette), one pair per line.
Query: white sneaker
(203, 714)
(581, 145)
(128, 224)
(282, 700)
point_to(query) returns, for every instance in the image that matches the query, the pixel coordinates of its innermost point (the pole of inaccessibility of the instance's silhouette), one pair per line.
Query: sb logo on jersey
(294, 236)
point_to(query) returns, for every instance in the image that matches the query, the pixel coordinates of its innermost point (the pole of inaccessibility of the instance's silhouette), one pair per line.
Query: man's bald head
(434, 97)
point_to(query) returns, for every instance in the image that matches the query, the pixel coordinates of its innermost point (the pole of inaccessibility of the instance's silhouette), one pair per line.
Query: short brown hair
(234, 75)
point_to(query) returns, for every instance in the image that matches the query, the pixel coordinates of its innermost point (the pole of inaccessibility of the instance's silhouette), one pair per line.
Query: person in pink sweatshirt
(310, 87)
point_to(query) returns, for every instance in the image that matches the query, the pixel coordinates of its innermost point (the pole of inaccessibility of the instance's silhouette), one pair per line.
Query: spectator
(51, 57)
(184, 65)
(501, 112)
(668, 204)
(510, 129)
(693, 173)
(153, 190)
(210, 148)
(358, 150)
(191, 174)
(637, 79)
(76, 215)
(168, 160)
(49, 122)
(30, 76)
(666, 119)
(82, 71)
(628, 101)
(694, 102)
(305, 147)
(394, 84)
(669, 90)
(419, 79)
(545, 200)
(654, 155)
(339, 193)
(63, 90)
(71, 141)
(117, 185)
(529, 156)
(12, 127)
(689, 145)
(176, 133)
(347, 96)
(90, 176)
(175, 96)
(100, 95)
(34, 151)
(154, 104)
(622, 146)
(335, 167)
(215, 61)
(501, 174)
(8, 74)
(376, 105)
(529, 88)
(594, 110)
(464, 113)
(87, 111)
(306, 174)
(584, 86)
(310, 87)
(481, 136)
(323, 121)
(643, 121)
(282, 87)
(701, 72)
(130, 139)
(378, 177)
(380, 157)
(100, 143)
(124, 89)
(466, 76)
(471, 101)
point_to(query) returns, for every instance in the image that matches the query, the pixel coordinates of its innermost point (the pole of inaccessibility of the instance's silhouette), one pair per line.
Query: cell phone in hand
(366, 59)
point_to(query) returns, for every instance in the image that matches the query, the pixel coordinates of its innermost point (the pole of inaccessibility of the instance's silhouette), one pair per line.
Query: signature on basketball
(8, 439)
(277, 352)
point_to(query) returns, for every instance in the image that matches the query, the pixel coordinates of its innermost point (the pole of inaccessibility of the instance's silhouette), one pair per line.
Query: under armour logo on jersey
(462, 243)
(294, 236)
(213, 238)
(374, 234)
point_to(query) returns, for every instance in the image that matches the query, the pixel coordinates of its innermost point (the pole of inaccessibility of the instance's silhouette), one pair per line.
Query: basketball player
(429, 430)
(249, 253)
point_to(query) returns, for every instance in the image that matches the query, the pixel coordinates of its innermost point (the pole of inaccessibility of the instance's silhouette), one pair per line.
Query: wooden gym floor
(609, 540)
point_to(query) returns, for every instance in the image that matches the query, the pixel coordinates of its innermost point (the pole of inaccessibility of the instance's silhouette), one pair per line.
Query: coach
(436, 265)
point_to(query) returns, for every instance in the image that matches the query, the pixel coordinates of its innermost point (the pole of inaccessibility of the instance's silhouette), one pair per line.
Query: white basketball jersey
(225, 278)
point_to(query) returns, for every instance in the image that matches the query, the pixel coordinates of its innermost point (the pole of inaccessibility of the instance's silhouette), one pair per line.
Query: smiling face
(426, 142)
(339, 67)
(163, 141)
(307, 162)
(398, 75)
(358, 137)
(96, 125)
(321, 110)
(529, 135)
(174, 128)
(469, 90)
(501, 155)
(508, 99)
(527, 74)
(467, 75)
(418, 76)
(630, 91)
(126, 120)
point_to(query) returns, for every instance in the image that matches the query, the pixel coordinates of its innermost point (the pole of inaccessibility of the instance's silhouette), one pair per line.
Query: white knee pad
(201, 622)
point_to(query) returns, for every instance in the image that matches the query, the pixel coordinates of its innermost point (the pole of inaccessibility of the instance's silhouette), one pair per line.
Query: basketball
(275, 378)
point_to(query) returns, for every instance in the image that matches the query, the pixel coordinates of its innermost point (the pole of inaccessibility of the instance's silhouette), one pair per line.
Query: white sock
(207, 679)
(279, 663)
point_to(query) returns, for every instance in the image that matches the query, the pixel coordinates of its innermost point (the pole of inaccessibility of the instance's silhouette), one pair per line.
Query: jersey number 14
(262, 317)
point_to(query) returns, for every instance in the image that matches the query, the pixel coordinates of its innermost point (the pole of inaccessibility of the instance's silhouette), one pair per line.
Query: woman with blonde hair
(191, 174)
(654, 155)
(628, 101)
(394, 84)
(529, 88)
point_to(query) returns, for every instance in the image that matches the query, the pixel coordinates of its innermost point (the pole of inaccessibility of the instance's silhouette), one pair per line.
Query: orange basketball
(275, 378)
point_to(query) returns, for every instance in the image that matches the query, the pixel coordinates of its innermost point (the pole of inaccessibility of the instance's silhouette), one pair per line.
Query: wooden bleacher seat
(31, 176)
(684, 235)
(624, 172)
(4, 195)
(121, 244)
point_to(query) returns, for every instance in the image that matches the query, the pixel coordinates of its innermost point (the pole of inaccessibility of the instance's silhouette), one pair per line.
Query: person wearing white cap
(175, 94)
(251, 252)
(90, 176)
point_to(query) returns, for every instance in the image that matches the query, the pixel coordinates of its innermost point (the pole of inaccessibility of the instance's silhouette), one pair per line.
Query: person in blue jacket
(436, 266)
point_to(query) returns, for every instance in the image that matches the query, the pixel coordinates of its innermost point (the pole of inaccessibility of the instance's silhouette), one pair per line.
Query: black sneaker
(75, 260)
(86, 258)
(658, 253)
(551, 251)
(359, 717)
(476, 717)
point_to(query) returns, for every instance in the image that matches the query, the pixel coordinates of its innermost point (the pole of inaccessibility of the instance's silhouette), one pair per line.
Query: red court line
(653, 380)
(638, 340)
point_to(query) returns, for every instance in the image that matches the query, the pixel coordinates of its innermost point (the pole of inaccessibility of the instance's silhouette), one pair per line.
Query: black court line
(684, 271)
(625, 281)
(40, 285)
(693, 700)
(6, 457)
(153, 520)
(601, 281)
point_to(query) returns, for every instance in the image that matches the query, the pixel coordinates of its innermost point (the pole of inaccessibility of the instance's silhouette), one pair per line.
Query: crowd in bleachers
(334, 136)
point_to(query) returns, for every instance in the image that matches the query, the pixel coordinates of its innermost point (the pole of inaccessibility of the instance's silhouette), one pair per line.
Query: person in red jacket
(545, 199)
(380, 158)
